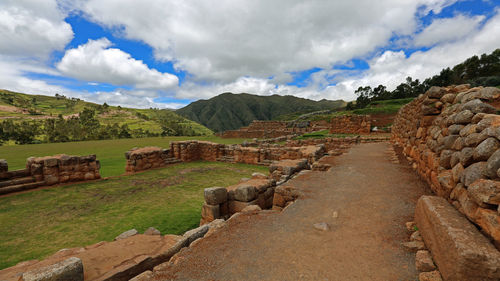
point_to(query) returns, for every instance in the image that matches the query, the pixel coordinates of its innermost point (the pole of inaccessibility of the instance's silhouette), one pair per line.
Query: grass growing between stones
(111, 153)
(39, 223)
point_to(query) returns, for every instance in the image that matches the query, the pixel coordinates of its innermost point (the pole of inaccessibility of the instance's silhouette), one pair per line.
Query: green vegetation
(36, 118)
(109, 152)
(39, 223)
(232, 111)
(477, 71)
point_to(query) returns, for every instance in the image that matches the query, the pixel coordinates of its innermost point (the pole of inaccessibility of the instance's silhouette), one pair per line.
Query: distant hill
(16, 108)
(231, 111)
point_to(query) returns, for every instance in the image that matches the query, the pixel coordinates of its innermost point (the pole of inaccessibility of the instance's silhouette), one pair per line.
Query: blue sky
(157, 53)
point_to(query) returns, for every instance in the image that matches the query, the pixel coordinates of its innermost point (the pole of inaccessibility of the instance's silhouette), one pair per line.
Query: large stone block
(210, 212)
(485, 191)
(70, 269)
(215, 195)
(245, 193)
(460, 251)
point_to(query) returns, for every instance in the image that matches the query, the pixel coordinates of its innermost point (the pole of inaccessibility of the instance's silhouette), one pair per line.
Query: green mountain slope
(37, 109)
(231, 111)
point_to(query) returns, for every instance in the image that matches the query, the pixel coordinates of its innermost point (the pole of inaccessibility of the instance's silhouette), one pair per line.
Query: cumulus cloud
(32, 28)
(448, 29)
(95, 61)
(223, 40)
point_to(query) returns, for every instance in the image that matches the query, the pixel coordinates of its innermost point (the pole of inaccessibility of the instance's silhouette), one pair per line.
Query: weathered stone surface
(238, 206)
(473, 173)
(251, 209)
(489, 93)
(436, 92)
(196, 233)
(323, 226)
(475, 139)
(215, 195)
(259, 176)
(448, 141)
(245, 193)
(415, 236)
(152, 231)
(423, 261)
(492, 165)
(145, 276)
(448, 98)
(463, 117)
(485, 191)
(457, 172)
(489, 221)
(485, 149)
(444, 159)
(414, 246)
(69, 269)
(430, 276)
(455, 129)
(466, 156)
(477, 106)
(459, 250)
(210, 212)
(127, 234)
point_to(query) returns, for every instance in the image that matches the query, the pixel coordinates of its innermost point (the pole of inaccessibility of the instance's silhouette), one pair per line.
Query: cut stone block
(215, 195)
(459, 250)
(69, 269)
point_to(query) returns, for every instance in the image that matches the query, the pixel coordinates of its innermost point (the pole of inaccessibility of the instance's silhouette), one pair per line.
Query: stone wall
(452, 137)
(350, 124)
(139, 159)
(49, 170)
(273, 129)
(221, 202)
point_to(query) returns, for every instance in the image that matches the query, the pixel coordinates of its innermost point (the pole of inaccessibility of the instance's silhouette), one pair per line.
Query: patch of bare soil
(364, 198)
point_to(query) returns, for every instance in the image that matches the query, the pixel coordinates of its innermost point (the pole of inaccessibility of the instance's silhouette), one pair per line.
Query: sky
(168, 53)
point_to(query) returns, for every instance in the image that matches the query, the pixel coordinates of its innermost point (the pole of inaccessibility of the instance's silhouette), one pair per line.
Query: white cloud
(95, 61)
(220, 41)
(32, 28)
(448, 29)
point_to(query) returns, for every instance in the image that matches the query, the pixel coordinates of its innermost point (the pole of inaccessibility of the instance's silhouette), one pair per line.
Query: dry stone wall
(139, 159)
(350, 124)
(274, 129)
(49, 170)
(452, 137)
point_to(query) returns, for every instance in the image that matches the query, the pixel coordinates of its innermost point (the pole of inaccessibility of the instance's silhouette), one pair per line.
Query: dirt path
(373, 197)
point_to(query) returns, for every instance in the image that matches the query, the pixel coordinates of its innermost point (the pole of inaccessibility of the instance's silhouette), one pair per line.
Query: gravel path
(365, 198)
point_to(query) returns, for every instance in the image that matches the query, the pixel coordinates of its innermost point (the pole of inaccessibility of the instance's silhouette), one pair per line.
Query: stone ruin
(140, 159)
(49, 170)
(350, 124)
(451, 135)
(273, 129)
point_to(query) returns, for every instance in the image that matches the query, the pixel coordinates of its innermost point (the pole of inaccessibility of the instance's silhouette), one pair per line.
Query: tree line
(481, 70)
(85, 126)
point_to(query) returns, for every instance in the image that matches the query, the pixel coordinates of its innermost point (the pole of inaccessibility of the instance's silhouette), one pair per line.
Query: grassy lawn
(322, 134)
(111, 153)
(38, 223)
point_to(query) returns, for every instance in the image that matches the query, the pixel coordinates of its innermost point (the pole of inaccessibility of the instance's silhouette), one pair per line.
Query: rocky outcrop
(452, 137)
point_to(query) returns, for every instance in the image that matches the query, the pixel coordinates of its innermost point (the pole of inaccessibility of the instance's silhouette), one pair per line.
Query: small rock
(485, 191)
(423, 261)
(196, 233)
(335, 214)
(245, 193)
(251, 209)
(259, 176)
(323, 226)
(464, 117)
(473, 173)
(414, 246)
(69, 269)
(416, 236)
(152, 231)
(215, 195)
(492, 165)
(466, 156)
(127, 234)
(411, 226)
(477, 106)
(430, 276)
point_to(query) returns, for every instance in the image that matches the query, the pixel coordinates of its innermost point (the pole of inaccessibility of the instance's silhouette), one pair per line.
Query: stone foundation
(49, 170)
(273, 129)
(451, 135)
(139, 159)
(350, 124)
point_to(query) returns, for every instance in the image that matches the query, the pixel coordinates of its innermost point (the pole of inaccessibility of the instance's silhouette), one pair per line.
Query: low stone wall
(452, 137)
(139, 159)
(221, 203)
(49, 170)
(273, 129)
(350, 124)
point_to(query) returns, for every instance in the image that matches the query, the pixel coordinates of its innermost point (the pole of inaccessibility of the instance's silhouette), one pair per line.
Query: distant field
(111, 153)
(39, 223)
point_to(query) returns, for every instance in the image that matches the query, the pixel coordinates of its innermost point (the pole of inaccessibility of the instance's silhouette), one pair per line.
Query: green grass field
(111, 153)
(39, 223)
